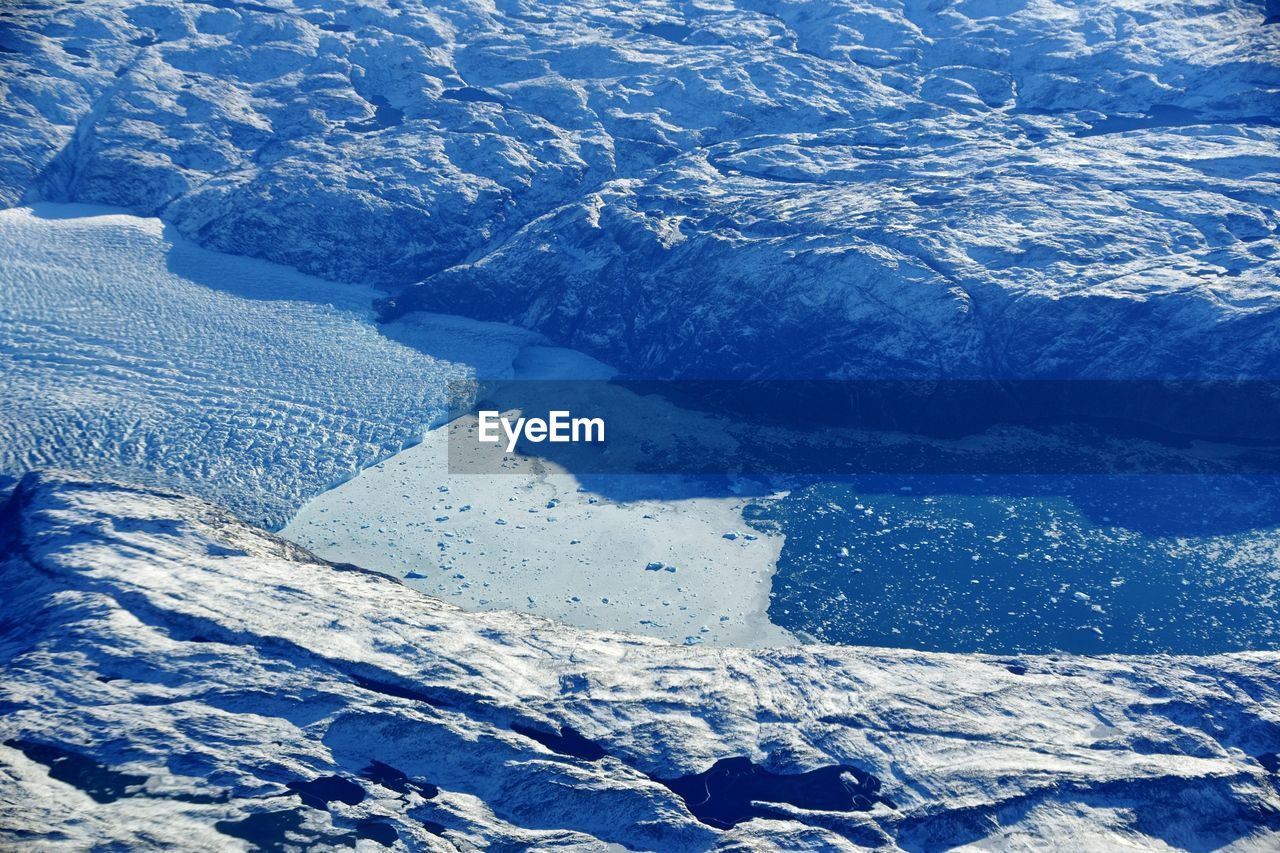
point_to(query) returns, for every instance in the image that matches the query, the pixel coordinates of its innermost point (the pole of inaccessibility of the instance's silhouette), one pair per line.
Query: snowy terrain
(177, 678)
(221, 224)
(1030, 187)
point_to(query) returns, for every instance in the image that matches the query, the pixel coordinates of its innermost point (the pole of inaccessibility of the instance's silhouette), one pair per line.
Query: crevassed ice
(127, 352)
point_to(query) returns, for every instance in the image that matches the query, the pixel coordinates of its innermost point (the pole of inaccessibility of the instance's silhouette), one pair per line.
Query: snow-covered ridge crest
(174, 677)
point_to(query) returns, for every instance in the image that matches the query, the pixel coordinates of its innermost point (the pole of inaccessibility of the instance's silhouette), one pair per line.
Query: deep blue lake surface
(1091, 565)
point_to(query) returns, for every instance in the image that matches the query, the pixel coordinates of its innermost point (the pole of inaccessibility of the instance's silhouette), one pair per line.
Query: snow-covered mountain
(847, 188)
(176, 678)
(1031, 187)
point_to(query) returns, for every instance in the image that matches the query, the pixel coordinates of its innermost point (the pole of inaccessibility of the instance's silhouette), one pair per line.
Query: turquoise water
(1093, 567)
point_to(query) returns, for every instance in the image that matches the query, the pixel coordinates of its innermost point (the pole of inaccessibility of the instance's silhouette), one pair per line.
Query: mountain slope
(1048, 188)
(175, 677)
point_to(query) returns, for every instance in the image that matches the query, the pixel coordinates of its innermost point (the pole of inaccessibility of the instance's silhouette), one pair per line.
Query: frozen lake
(540, 542)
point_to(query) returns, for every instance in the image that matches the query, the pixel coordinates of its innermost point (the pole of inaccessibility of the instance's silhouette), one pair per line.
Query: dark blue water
(677, 33)
(1006, 517)
(97, 780)
(1161, 116)
(568, 742)
(472, 95)
(736, 789)
(1093, 567)
(384, 116)
(318, 793)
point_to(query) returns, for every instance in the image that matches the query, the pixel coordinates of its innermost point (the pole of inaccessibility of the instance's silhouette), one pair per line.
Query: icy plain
(537, 540)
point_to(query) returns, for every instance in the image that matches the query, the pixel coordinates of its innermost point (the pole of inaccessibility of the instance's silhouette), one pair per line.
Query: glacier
(127, 352)
(177, 678)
